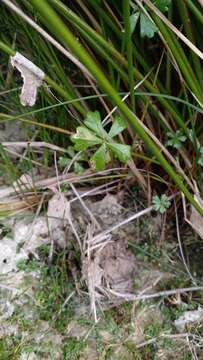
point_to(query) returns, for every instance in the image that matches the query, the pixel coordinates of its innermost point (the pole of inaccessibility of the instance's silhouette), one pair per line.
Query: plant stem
(126, 12)
(180, 57)
(195, 10)
(183, 11)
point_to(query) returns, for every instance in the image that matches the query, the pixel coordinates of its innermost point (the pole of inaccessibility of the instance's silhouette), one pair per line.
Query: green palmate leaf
(160, 204)
(100, 158)
(118, 126)
(176, 140)
(84, 138)
(93, 122)
(147, 27)
(122, 152)
(162, 5)
(134, 20)
(94, 134)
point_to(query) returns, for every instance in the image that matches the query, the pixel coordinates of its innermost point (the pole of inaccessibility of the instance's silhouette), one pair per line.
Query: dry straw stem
(180, 246)
(133, 297)
(5, 117)
(22, 204)
(105, 121)
(174, 29)
(167, 153)
(34, 144)
(92, 217)
(167, 336)
(63, 179)
(131, 163)
(91, 274)
(24, 157)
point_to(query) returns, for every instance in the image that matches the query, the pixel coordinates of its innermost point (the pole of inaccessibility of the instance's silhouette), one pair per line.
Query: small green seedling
(176, 140)
(93, 134)
(160, 204)
(147, 27)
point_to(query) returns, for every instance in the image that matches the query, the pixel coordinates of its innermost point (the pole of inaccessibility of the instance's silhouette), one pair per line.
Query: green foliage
(147, 26)
(176, 139)
(133, 21)
(72, 348)
(160, 204)
(154, 329)
(200, 158)
(84, 138)
(93, 133)
(51, 292)
(28, 266)
(10, 347)
(52, 289)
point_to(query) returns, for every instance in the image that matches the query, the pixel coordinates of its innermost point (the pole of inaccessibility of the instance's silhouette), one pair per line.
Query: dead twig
(92, 217)
(166, 293)
(180, 245)
(35, 144)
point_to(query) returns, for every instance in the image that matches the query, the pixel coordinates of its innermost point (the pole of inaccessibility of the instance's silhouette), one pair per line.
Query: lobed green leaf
(93, 122)
(84, 138)
(118, 126)
(121, 151)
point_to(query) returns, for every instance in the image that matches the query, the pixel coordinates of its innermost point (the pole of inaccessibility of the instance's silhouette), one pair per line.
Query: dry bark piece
(32, 78)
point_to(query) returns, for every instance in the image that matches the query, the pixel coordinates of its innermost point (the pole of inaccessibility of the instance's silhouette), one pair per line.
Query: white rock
(192, 316)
